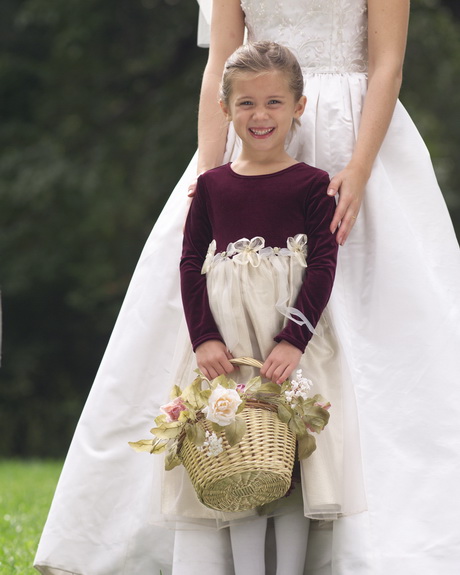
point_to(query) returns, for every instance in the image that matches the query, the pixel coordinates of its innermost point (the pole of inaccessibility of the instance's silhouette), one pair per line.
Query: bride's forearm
(227, 33)
(379, 105)
(212, 125)
(387, 36)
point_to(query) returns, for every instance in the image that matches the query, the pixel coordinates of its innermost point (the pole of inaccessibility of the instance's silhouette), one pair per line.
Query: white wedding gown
(395, 306)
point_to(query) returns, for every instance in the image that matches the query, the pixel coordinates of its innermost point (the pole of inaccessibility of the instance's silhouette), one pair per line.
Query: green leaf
(205, 395)
(284, 413)
(187, 414)
(316, 418)
(195, 434)
(160, 419)
(142, 445)
(235, 431)
(176, 391)
(306, 445)
(172, 460)
(200, 435)
(168, 430)
(223, 381)
(159, 447)
(148, 445)
(270, 387)
(241, 406)
(297, 426)
(253, 384)
(192, 394)
(190, 432)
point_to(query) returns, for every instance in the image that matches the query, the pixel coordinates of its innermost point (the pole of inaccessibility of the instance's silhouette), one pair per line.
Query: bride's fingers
(346, 225)
(334, 186)
(339, 214)
(192, 189)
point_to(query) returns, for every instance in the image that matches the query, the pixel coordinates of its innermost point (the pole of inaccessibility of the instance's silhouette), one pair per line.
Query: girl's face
(262, 108)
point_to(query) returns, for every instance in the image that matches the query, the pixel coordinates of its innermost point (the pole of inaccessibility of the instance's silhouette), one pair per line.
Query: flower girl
(257, 270)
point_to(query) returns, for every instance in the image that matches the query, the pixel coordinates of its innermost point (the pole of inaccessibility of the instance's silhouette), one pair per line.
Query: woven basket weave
(252, 473)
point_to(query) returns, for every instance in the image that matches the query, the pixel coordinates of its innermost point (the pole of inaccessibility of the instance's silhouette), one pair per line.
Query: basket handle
(246, 361)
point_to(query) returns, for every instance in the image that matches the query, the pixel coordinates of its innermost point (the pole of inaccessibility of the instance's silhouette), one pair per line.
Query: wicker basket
(252, 473)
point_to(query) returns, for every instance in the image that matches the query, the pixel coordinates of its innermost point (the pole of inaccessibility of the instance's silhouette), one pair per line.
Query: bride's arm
(388, 22)
(227, 34)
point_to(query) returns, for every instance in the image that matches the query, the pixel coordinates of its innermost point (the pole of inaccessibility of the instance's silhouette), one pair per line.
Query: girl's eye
(273, 102)
(246, 103)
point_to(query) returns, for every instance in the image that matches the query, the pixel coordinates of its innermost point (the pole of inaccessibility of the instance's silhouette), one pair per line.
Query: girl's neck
(250, 167)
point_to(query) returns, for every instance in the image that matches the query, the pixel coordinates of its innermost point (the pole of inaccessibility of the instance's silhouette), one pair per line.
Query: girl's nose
(260, 113)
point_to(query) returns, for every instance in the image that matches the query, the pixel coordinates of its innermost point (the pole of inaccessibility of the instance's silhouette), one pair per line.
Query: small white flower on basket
(212, 445)
(299, 389)
(222, 406)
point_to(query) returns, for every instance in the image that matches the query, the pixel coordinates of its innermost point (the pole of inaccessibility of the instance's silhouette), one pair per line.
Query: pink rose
(174, 408)
(240, 387)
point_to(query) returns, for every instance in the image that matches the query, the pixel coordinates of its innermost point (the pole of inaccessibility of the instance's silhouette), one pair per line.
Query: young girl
(257, 270)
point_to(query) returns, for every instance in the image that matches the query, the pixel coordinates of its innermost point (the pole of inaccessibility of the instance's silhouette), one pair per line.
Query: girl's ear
(300, 107)
(226, 111)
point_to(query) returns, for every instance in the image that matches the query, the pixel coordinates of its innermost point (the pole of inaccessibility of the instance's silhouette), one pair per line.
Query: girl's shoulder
(307, 178)
(312, 172)
(215, 174)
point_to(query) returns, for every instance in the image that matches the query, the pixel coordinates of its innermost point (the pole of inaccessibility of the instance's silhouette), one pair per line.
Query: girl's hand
(212, 358)
(282, 361)
(349, 184)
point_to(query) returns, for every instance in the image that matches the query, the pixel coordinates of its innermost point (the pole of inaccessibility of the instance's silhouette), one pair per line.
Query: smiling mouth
(260, 132)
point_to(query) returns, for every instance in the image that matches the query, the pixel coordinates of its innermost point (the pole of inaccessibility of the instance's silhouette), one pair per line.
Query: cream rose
(222, 405)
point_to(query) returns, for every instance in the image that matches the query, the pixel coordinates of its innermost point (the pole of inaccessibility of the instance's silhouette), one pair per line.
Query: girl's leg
(248, 546)
(291, 533)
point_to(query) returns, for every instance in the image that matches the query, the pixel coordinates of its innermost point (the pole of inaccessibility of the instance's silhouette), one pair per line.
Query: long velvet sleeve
(321, 261)
(197, 237)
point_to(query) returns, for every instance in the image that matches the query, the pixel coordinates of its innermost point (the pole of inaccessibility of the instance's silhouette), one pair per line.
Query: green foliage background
(98, 115)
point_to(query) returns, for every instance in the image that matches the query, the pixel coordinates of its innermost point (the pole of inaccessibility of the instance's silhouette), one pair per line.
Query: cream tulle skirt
(251, 300)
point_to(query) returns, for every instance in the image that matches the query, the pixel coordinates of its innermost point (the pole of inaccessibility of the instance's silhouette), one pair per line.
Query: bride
(395, 306)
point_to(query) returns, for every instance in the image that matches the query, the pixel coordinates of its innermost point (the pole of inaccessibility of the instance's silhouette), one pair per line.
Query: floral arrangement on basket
(221, 401)
(238, 441)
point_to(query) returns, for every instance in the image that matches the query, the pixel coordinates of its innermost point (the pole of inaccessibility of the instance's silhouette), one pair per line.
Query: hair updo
(259, 58)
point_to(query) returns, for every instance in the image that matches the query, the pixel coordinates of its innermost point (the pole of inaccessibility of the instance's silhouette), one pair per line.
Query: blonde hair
(262, 57)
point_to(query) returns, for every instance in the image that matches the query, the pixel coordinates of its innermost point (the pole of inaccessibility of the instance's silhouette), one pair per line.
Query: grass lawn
(26, 490)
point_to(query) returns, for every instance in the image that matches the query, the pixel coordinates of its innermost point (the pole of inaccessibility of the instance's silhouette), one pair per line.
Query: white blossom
(300, 386)
(212, 444)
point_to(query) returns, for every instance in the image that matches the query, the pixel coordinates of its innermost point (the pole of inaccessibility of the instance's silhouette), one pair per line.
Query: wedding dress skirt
(395, 308)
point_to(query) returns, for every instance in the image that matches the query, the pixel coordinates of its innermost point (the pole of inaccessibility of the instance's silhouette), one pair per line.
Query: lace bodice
(327, 36)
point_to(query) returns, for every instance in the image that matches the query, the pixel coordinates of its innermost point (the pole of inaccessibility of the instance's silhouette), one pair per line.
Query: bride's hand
(349, 184)
(192, 189)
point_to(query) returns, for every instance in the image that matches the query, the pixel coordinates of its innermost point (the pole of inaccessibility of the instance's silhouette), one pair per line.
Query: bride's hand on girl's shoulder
(348, 185)
(212, 358)
(282, 361)
(191, 190)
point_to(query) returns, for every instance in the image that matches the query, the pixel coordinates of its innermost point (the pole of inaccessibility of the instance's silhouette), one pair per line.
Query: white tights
(248, 544)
